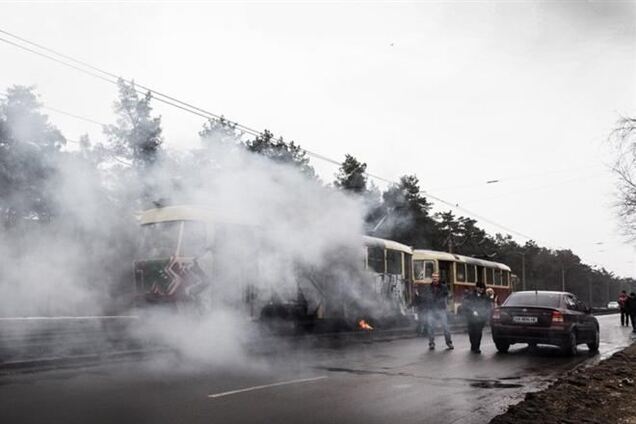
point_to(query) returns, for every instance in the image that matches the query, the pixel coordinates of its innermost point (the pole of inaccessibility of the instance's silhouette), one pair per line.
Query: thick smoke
(298, 233)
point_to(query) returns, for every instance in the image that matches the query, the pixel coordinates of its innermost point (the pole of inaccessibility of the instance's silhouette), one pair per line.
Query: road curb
(57, 362)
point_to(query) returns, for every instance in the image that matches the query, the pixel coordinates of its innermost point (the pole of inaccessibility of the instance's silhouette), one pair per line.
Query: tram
(193, 258)
(461, 273)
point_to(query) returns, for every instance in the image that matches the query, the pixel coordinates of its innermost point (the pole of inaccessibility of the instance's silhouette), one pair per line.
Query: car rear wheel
(593, 346)
(502, 346)
(569, 346)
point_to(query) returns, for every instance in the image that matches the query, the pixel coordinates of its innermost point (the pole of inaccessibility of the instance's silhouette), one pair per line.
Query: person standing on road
(435, 303)
(622, 298)
(477, 307)
(490, 292)
(419, 299)
(630, 306)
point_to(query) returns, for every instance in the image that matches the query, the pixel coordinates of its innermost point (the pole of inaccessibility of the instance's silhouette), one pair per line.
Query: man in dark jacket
(630, 307)
(435, 303)
(476, 306)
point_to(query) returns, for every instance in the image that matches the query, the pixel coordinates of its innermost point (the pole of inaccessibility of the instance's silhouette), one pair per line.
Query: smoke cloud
(299, 233)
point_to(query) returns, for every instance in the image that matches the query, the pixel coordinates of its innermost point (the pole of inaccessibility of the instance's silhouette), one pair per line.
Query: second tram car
(461, 273)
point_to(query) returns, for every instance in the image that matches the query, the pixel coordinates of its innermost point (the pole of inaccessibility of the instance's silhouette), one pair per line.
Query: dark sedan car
(544, 317)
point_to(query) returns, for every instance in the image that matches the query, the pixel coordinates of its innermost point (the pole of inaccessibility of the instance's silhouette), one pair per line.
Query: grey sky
(458, 93)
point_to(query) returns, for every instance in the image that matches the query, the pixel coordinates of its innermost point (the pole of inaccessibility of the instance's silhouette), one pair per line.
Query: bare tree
(625, 169)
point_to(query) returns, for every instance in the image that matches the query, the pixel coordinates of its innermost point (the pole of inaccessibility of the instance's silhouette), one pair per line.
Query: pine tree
(137, 136)
(279, 151)
(407, 214)
(352, 175)
(29, 148)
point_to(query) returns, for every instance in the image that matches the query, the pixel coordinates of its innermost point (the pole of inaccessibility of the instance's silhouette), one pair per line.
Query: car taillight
(496, 314)
(557, 317)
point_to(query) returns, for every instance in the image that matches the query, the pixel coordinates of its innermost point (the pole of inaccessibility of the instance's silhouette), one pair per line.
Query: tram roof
(445, 256)
(388, 244)
(185, 213)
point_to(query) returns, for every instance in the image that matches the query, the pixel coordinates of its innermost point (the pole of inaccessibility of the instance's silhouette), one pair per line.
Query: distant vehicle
(613, 305)
(544, 317)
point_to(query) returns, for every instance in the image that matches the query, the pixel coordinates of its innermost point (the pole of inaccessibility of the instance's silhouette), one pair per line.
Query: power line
(185, 106)
(72, 115)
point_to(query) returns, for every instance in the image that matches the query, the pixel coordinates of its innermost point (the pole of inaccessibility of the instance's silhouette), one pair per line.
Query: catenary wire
(112, 78)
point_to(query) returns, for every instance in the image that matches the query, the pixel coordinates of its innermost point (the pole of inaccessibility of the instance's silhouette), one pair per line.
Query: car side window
(570, 303)
(581, 306)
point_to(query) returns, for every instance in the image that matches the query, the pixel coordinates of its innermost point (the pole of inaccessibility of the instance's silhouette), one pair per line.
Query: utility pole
(523, 271)
(562, 278)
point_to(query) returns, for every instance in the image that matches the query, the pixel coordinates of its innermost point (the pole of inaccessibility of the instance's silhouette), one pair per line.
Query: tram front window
(193, 239)
(159, 240)
(422, 269)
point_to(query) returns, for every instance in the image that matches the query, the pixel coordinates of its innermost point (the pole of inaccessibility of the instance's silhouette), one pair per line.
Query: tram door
(446, 272)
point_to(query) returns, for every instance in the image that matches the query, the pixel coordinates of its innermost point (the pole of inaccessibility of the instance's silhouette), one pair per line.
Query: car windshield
(548, 300)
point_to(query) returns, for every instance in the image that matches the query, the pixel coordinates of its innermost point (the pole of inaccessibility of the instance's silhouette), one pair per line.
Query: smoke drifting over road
(307, 235)
(76, 259)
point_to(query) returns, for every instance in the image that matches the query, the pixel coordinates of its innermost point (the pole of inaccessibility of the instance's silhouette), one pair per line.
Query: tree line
(31, 146)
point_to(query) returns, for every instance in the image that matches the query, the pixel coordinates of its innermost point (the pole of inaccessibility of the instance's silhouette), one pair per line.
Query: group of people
(627, 305)
(431, 304)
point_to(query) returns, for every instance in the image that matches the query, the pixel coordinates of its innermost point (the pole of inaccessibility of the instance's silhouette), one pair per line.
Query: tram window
(489, 275)
(498, 277)
(461, 272)
(505, 278)
(376, 258)
(160, 239)
(480, 274)
(393, 262)
(193, 239)
(471, 275)
(422, 269)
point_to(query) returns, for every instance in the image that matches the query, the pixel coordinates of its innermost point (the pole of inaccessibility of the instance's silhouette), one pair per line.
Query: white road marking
(266, 386)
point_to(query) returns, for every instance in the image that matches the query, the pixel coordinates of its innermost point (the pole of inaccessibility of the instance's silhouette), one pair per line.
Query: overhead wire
(72, 115)
(190, 108)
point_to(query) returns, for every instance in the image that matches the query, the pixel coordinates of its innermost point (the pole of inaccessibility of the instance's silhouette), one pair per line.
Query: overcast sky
(458, 93)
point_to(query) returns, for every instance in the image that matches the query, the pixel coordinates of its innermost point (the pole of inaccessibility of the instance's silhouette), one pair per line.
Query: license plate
(525, 320)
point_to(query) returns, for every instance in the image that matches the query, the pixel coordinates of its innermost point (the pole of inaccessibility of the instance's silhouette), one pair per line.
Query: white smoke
(80, 263)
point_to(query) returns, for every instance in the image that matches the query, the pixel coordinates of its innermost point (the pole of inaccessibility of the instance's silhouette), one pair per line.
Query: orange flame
(363, 325)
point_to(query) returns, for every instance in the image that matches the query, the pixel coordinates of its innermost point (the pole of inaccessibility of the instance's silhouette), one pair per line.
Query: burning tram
(192, 258)
(180, 245)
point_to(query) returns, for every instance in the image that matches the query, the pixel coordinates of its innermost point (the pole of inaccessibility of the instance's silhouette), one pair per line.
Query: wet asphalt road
(398, 381)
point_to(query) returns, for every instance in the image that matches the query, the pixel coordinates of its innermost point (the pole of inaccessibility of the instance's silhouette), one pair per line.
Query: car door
(584, 323)
(575, 315)
(588, 320)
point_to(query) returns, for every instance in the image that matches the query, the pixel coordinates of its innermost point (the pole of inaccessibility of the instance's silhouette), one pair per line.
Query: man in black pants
(630, 307)
(477, 306)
